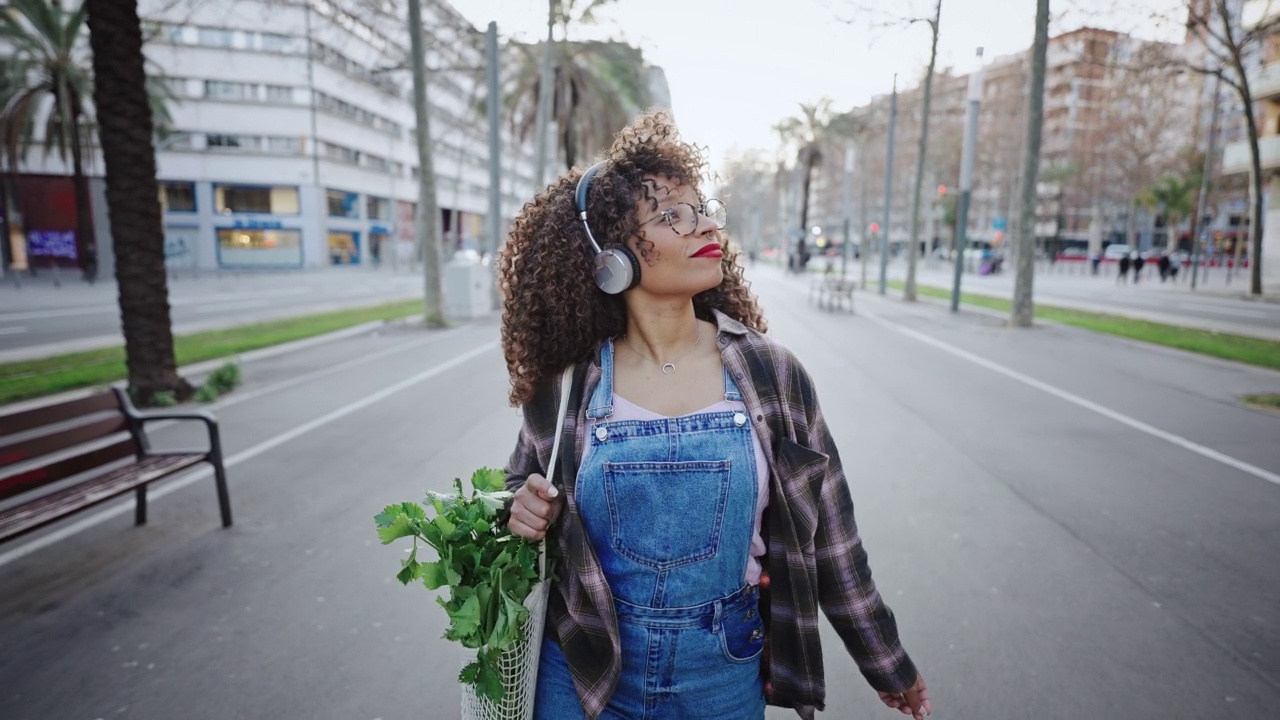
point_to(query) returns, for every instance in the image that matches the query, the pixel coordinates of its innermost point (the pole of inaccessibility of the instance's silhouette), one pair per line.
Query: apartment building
(293, 137)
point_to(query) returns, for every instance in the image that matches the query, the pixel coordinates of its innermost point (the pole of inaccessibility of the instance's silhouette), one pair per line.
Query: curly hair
(553, 313)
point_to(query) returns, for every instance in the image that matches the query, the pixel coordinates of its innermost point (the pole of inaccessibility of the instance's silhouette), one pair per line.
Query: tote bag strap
(566, 385)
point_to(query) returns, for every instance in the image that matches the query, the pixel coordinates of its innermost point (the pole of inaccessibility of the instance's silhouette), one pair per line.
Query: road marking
(12, 330)
(243, 456)
(1074, 399)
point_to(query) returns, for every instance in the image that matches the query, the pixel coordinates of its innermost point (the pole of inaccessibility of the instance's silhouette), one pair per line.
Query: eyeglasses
(683, 217)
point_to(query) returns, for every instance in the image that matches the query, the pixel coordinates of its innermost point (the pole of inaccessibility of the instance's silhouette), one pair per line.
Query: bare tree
(1022, 310)
(1229, 41)
(1144, 117)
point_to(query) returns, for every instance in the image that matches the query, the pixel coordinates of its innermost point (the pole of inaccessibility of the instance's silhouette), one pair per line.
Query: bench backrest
(40, 432)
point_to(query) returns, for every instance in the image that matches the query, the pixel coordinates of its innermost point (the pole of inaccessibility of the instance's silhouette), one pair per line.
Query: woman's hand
(913, 702)
(536, 505)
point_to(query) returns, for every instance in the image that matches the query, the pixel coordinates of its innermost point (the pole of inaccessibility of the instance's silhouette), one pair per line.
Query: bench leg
(224, 499)
(140, 507)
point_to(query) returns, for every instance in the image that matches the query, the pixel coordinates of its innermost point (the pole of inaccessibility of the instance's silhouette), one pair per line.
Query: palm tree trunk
(125, 127)
(84, 222)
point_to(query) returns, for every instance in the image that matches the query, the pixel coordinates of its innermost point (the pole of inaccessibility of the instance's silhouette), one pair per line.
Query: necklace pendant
(668, 368)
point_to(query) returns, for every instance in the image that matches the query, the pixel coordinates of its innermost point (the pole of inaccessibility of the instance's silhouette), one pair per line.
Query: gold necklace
(667, 367)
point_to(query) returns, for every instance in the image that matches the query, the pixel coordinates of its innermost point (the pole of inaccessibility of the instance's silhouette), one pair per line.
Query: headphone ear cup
(617, 270)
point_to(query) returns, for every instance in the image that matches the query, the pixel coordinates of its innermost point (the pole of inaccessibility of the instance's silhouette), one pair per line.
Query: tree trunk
(909, 291)
(427, 219)
(1023, 310)
(542, 113)
(125, 127)
(804, 197)
(85, 244)
(1258, 200)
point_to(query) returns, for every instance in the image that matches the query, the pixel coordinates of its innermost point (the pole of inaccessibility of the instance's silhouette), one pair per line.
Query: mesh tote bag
(518, 665)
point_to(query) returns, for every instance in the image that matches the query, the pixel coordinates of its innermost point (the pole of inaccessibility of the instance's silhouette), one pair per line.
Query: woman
(699, 508)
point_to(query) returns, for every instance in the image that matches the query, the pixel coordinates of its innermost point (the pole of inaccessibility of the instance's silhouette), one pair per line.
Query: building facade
(293, 139)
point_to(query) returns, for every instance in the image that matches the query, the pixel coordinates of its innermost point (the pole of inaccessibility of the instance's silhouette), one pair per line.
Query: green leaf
(409, 572)
(402, 526)
(433, 575)
(488, 480)
(493, 501)
(470, 673)
(465, 621)
(446, 526)
(489, 682)
(388, 515)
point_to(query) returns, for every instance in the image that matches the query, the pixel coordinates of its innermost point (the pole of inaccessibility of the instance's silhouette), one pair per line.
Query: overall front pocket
(664, 515)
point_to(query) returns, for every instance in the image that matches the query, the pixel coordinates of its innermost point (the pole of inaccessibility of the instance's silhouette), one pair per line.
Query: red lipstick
(710, 250)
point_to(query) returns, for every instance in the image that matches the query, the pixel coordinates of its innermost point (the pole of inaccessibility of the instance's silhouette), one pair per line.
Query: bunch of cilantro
(488, 570)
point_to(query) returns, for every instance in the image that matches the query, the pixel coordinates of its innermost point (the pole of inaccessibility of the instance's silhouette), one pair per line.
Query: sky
(738, 67)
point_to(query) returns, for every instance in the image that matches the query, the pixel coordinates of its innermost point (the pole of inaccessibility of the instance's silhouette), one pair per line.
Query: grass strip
(1269, 401)
(1254, 351)
(32, 378)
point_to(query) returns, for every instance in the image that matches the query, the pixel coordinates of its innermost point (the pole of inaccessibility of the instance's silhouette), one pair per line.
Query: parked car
(1116, 251)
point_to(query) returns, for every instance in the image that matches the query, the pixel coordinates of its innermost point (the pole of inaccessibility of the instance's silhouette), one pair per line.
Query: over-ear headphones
(617, 269)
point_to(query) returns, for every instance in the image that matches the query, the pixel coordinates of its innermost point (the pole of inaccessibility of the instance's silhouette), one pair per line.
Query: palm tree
(120, 93)
(46, 76)
(597, 88)
(1174, 195)
(806, 132)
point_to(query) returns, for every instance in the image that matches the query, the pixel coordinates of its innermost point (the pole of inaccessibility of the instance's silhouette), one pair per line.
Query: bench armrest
(139, 418)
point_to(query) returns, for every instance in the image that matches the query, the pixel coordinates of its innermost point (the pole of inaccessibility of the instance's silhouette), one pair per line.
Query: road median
(1253, 351)
(72, 371)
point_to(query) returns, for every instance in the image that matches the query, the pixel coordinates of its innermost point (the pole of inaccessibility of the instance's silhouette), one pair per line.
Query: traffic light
(875, 227)
(942, 191)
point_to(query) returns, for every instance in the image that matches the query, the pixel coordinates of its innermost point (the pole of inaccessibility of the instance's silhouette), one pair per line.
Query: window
(279, 93)
(232, 142)
(343, 204)
(219, 90)
(284, 145)
(279, 200)
(377, 208)
(275, 43)
(177, 197)
(339, 153)
(377, 162)
(215, 37)
(264, 248)
(177, 86)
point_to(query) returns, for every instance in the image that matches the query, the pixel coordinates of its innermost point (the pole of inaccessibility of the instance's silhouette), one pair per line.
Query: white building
(294, 143)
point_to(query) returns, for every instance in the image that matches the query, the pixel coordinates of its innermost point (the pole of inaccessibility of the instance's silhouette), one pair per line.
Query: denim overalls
(669, 507)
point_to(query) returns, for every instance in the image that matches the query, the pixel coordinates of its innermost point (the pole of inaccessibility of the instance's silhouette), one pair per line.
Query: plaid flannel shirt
(815, 557)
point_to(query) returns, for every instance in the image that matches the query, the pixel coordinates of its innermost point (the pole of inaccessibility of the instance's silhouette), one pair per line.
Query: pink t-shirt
(623, 409)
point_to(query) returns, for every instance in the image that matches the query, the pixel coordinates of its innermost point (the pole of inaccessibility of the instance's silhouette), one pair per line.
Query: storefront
(245, 241)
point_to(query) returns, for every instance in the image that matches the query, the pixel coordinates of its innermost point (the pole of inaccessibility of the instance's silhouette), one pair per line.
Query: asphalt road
(1067, 526)
(1216, 305)
(38, 319)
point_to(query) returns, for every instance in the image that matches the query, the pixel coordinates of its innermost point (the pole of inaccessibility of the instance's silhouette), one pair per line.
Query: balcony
(1265, 84)
(1235, 156)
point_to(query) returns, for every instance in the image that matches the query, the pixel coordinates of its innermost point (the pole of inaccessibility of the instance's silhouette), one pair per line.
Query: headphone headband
(580, 200)
(616, 268)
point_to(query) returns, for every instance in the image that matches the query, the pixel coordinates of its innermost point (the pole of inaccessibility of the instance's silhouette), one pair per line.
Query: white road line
(1061, 394)
(12, 330)
(120, 508)
(61, 312)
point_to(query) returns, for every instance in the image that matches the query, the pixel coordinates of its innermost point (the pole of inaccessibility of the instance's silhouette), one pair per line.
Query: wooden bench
(829, 292)
(62, 458)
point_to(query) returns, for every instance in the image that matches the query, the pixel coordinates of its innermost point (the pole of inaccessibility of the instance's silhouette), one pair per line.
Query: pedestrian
(1124, 263)
(1095, 259)
(1138, 262)
(1175, 264)
(699, 505)
(1163, 265)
